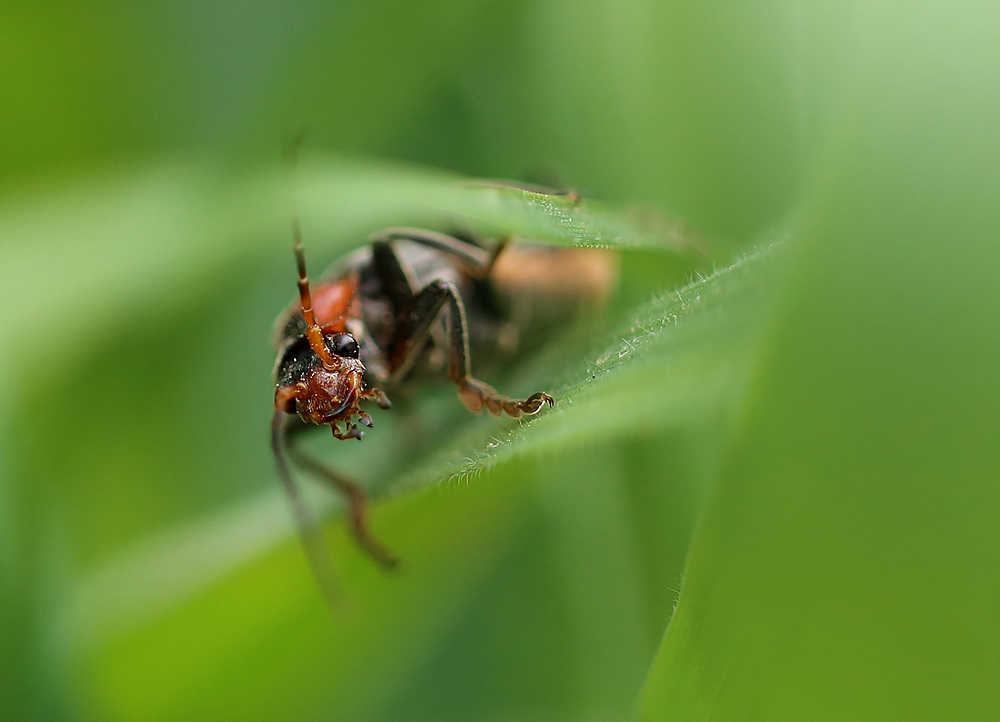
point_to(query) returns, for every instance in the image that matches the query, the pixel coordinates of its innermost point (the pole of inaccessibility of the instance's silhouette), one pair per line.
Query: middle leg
(442, 296)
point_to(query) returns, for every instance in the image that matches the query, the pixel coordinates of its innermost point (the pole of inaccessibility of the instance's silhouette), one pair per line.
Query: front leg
(356, 498)
(412, 332)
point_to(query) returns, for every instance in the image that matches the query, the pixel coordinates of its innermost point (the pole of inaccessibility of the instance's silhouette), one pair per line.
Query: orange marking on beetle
(333, 303)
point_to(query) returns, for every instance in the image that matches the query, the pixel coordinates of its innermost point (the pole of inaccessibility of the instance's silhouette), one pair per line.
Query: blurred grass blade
(678, 361)
(76, 256)
(701, 337)
(846, 565)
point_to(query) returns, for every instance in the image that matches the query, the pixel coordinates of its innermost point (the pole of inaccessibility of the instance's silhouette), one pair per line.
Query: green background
(769, 488)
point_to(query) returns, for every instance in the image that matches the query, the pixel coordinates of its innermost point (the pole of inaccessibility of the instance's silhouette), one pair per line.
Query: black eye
(345, 345)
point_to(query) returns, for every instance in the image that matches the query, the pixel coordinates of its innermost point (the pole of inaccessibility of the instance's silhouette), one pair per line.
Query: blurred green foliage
(793, 440)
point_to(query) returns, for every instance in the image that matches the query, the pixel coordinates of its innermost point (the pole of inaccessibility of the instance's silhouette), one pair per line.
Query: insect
(412, 304)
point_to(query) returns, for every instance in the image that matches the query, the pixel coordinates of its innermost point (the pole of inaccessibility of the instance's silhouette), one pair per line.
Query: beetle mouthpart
(336, 413)
(330, 396)
(378, 396)
(351, 431)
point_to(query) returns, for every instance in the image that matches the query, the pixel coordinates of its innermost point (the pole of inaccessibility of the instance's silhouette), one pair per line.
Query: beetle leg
(468, 253)
(396, 282)
(356, 499)
(312, 535)
(475, 394)
(412, 334)
(477, 261)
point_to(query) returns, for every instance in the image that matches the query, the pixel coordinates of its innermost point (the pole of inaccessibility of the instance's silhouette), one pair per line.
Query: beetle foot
(475, 395)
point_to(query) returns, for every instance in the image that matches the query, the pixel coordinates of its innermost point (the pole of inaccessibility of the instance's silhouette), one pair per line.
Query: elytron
(410, 305)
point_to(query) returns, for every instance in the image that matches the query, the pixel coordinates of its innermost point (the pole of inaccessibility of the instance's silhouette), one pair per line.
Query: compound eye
(345, 345)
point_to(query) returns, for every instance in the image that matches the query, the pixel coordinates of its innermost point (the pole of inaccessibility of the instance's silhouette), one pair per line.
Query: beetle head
(331, 390)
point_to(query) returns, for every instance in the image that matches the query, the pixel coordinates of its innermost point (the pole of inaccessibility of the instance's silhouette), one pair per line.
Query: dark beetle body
(372, 321)
(500, 312)
(413, 304)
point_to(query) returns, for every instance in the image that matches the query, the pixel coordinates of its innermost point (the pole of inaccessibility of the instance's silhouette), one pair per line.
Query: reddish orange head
(330, 391)
(330, 395)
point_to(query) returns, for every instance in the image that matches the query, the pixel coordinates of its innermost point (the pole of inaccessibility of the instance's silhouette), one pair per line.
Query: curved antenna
(313, 332)
(312, 535)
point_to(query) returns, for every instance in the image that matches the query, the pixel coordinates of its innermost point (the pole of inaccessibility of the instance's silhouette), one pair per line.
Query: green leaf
(845, 565)
(797, 448)
(196, 535)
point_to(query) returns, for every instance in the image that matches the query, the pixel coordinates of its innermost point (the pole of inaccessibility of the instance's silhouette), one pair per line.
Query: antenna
(313, 332)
